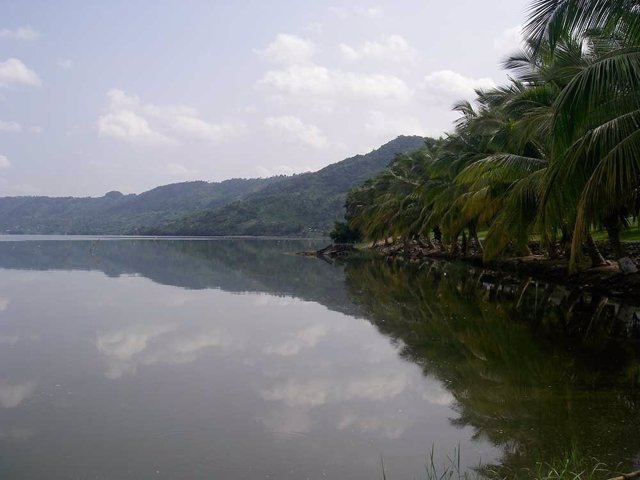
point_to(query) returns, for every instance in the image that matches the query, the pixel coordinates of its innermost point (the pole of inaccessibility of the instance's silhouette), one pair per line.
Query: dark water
(229, 359)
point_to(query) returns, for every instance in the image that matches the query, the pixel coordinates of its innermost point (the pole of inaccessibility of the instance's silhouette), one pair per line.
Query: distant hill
(115, 213)
(302, 204)
(296, 205)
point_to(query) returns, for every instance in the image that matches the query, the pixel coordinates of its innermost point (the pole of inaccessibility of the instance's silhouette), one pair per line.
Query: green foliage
(306, 204)
(342, 233)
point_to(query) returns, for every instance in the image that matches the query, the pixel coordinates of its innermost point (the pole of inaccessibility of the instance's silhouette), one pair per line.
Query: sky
(128, 95)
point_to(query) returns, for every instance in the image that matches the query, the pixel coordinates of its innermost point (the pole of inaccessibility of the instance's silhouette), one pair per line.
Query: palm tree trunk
(437, 235)
(465, 244)
(591, 249)
(613, 227)
(473, 234)
(455, 248)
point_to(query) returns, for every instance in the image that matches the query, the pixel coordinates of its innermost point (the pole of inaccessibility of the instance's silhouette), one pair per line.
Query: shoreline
(605, 280)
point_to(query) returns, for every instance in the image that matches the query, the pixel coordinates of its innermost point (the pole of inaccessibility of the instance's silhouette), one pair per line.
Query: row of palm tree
(553, 154)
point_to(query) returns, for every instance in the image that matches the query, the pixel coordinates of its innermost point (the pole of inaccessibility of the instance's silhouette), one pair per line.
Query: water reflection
(13, 394)
(232, 359)
(534, 368)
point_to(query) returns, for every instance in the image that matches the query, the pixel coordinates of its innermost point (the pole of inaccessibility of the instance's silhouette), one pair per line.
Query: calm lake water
(200, 359)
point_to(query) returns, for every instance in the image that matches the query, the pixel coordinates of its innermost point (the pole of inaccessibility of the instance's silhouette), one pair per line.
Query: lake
(232, 358)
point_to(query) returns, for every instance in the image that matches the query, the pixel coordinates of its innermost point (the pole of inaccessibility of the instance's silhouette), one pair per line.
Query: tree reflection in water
(536, 369)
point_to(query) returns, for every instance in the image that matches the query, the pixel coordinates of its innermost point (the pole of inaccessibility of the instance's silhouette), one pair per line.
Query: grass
(571, 466)
(631, 234)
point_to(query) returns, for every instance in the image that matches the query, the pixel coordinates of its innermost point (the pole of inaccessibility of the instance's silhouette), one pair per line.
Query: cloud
(392, 124)
(130, 127)
(20, 33)
(453, 85)
(4, 162)
(12, 395)
(293, 127)
(386, 425)
(320, 391)
(509, 40)
(196, 128)
(288, 50)
(14, 72)
(127, 118)
(127, 349)
(316, 81)
(393, 48)
(11, 127)
(65, 64)
(307, 337)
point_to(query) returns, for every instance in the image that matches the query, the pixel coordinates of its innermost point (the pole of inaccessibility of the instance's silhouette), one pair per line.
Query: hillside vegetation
(303, 204)
(279, 205)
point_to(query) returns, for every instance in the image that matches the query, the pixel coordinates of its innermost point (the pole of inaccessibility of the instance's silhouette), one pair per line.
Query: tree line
(552, 155)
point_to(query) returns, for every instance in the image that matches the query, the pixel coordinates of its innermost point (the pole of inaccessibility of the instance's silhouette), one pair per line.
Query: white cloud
(453, 85)
(65, 64)
(509, 40)
(392, 124)
(125, 350)
(390, 48)
(12, 395)
(20, 33)
(318, 81)
(4, 162)
(196, 128)
(128, 118)
(288, 49)
(388, 425)
(13, 71)
(308, 337)
(130, 127)
(11, 127)
(293, 127)
(320, 391)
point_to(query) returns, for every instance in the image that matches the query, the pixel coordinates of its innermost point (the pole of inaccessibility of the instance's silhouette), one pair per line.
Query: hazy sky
(127, 95)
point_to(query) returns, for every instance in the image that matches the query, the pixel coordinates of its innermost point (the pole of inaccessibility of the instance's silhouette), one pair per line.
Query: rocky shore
(606, 280)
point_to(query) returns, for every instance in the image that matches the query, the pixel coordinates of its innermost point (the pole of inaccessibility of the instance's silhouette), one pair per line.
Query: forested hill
(303, 204)
(279, 205)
